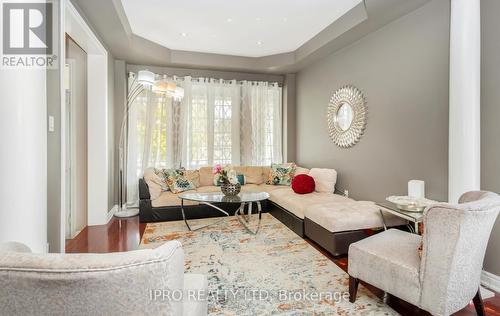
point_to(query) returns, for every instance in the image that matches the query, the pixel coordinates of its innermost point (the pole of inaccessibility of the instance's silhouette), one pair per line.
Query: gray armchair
(141, 282)
(447, 277)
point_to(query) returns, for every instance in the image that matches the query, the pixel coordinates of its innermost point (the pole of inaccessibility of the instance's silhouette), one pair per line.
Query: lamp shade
(164, 86)
(146, 78)
(179, 92)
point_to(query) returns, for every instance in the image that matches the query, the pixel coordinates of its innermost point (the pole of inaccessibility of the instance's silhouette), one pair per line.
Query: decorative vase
(229, 189)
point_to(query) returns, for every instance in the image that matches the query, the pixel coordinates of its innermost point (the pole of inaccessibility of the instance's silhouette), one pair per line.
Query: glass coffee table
(243, 199)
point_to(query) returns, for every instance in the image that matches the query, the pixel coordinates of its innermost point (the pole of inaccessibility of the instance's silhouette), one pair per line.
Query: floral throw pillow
(281, 174)
(162, 176)
(178, 181)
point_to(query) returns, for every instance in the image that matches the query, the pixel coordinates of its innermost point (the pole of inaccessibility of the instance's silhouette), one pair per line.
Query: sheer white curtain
(211, 118)
(261, 124)
(150, 138)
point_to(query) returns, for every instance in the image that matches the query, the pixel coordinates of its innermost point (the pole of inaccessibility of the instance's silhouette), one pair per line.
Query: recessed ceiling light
(259, 43)
(229, 20)
(183, 34)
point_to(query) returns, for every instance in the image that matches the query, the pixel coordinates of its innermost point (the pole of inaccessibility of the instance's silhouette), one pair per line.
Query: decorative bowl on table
(229, 189)
(231, 199)
(410, 204)
(228, 180)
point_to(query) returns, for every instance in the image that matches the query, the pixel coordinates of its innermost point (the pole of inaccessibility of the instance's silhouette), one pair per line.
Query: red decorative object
(303, 184)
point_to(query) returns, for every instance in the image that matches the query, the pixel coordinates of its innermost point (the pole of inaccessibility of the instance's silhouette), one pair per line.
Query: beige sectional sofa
(332, 220)
(204, 180)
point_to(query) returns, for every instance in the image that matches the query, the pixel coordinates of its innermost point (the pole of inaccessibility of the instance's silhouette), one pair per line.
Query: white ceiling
(251, 28)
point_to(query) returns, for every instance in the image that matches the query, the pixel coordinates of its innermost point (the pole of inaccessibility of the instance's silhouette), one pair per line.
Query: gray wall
(289, 117)
(54, 211)
(490, 114)
(402, 68)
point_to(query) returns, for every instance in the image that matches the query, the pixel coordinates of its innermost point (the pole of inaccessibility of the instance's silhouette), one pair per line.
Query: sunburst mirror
(347, 114)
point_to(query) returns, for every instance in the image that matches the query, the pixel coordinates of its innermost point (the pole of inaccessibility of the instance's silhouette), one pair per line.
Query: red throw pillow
(303, 184)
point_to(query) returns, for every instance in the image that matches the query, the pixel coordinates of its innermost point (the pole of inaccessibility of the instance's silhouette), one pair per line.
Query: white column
(23, 158)
(465, 94)
(98, 147)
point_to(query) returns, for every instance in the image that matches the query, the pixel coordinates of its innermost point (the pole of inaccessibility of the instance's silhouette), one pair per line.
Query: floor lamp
(136, 84)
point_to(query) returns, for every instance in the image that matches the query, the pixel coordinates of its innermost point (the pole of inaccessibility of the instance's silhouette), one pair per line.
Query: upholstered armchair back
(454, 244)
(91, 284)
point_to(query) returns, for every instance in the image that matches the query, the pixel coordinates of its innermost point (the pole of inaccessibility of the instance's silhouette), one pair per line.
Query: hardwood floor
(118, 235)
(125, 235)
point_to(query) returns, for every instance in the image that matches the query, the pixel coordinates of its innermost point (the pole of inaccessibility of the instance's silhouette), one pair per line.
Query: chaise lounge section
(335, 226)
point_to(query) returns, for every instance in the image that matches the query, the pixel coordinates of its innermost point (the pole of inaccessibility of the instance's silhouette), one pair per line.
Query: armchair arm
(473, 196)
(14, 246)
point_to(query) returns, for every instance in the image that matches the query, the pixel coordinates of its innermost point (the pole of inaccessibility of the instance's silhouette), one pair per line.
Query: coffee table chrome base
(201, 227)
(245, 218)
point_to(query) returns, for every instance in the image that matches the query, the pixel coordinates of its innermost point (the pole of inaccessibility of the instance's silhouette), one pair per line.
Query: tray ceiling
(253, 28)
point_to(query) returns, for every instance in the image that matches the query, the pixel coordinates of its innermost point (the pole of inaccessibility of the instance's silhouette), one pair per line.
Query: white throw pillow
(324, 179)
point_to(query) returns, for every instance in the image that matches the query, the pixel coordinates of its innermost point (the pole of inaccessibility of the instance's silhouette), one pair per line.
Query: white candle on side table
(416, 189)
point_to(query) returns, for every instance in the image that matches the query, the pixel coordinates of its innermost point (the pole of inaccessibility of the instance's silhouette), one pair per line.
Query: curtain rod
(240, 82)
(197, 79)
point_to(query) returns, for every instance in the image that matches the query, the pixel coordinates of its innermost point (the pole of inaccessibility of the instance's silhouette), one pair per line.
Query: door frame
(98, 153)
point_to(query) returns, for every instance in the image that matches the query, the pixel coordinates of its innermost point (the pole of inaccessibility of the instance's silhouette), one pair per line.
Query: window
(233, 123)
(213, 123)
(197, 148)
(222, 131)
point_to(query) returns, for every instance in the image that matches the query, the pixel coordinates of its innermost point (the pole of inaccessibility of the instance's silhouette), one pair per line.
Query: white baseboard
(490, 281)
(112, 212)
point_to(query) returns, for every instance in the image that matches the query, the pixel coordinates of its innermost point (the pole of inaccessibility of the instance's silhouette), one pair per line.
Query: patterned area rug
(273, 273)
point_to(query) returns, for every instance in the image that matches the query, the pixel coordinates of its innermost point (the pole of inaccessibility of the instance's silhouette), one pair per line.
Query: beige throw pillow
(206, 176)
(266, 171)
(155, 183)
(254, 175)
